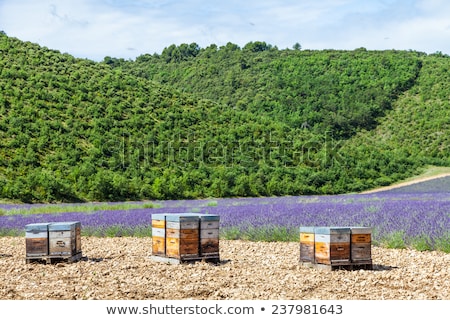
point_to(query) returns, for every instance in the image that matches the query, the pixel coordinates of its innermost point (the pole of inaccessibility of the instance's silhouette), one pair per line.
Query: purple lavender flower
(413, 214)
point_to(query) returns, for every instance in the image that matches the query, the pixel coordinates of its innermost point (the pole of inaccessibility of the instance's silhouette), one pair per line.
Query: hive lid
(162, 216)
(361, 230)
(63, 226)
(159, 216)
(179, 217)
(331, 230)
(208, 217)
(34, 227)
(307, 229)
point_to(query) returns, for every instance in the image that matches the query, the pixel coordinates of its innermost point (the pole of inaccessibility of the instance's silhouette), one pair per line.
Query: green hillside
(337, 91)
(216, 122)
(415, 133)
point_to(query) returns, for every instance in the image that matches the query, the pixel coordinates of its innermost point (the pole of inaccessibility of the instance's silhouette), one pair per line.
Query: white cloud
(126, 29)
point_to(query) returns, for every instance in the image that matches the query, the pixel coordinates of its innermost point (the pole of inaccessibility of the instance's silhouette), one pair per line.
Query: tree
(297, 46)
(257, 46)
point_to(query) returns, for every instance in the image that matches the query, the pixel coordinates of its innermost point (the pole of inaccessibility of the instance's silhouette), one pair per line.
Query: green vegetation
(336, 91)
(443, 244)
(57, 209)
(215, 122)
(118, 231)
(396, 240)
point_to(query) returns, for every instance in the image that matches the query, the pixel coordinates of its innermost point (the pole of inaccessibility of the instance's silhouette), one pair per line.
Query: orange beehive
(185, 237)
(182, 236)
(332, 245)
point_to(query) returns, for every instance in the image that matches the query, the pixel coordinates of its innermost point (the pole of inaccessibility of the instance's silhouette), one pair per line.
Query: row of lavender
(419, 220)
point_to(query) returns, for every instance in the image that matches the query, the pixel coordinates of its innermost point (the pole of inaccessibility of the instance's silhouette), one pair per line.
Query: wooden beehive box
(332, 245)
(64, 238)
(36, 239)
(209, 235)
(182, 236)
(307, 241)
(159, 234)
(361, 243)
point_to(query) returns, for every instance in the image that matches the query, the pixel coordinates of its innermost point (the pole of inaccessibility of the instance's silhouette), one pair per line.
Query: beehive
(64, 238)
(182, 236)
(332, 245)
(209, 235)
(159, 234)
(361, 242)
(36, 239)
(307, 241)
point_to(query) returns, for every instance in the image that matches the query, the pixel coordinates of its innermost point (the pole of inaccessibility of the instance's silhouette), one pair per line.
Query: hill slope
(337, 91)
(73, 129)
(255, 121)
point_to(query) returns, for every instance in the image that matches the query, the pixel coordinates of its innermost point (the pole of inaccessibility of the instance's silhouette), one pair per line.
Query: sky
(94, 29)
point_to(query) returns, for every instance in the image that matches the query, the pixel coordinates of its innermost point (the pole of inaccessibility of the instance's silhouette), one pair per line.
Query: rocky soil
(121, 268)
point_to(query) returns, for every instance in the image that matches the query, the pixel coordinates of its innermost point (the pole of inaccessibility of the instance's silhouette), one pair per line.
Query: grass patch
(232, 233)
(428, 172)
(143, 231)
(421, 243)
(6, 232)
(433, 170)
(395, 240)
(263, 234)
(443, 243)
(118, 231)
(57, 209)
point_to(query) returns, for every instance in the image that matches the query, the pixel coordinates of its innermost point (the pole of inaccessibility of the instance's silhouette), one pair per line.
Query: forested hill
(216, 122)
(337, 91)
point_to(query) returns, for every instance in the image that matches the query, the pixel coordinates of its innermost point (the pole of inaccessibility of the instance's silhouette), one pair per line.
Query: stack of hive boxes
(361, 243)
(36, 239)
(53, 241)
(209, 235)
(64, 239)
(159, 234)
(183, 237)
(307, 252)
(332, 247)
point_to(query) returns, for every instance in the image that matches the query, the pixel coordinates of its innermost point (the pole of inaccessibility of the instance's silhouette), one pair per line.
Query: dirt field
(120, 268)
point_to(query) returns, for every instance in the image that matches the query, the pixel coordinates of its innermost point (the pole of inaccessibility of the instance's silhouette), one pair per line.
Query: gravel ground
(120, 269)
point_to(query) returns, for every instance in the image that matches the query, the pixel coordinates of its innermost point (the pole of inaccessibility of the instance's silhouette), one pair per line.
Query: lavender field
(403, 217)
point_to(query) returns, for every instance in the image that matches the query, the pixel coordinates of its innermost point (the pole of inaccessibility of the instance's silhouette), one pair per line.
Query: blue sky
(126, 29)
